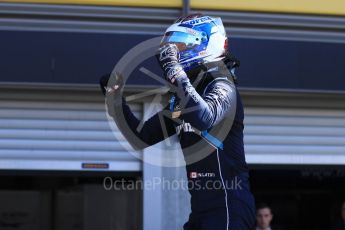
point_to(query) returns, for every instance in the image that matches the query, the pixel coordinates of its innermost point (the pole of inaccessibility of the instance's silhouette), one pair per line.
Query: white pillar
(163, 208)
(152, 196)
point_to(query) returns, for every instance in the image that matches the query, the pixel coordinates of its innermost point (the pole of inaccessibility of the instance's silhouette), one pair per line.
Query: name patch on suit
(186, 127)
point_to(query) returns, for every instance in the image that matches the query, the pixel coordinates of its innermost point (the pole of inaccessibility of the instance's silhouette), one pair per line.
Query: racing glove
(168, 59)
(114, 86)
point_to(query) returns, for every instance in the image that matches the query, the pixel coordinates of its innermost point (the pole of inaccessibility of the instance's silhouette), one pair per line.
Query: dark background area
(305, 197)
(68, 201)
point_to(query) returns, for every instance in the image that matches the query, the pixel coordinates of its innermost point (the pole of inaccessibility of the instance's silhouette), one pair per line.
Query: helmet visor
(182, 40)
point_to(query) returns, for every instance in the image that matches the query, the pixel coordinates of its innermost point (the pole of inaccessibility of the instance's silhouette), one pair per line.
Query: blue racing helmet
(200, 39)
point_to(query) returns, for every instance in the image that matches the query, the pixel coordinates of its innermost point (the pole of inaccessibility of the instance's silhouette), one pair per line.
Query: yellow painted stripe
(144, 3)
(330, 7)
(327, 7)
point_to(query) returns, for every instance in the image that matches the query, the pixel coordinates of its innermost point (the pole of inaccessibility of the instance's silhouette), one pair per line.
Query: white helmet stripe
(176, 27)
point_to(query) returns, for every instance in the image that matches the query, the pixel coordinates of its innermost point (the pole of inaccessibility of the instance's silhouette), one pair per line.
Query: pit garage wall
(54, 129)
(300, 121)
(76, 44)
(80, 58)
(268, 65)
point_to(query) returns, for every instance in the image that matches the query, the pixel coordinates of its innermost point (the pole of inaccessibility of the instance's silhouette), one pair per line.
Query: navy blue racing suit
(215, 161)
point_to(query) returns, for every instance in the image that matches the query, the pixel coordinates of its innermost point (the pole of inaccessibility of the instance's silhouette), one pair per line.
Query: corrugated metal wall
(295, 136)
(60, 130)
(294, 128)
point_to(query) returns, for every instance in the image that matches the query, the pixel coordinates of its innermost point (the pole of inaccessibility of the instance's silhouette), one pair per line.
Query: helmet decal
(198, 21)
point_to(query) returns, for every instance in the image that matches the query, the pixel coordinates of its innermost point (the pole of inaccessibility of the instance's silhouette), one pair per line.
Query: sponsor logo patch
(194, 175)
